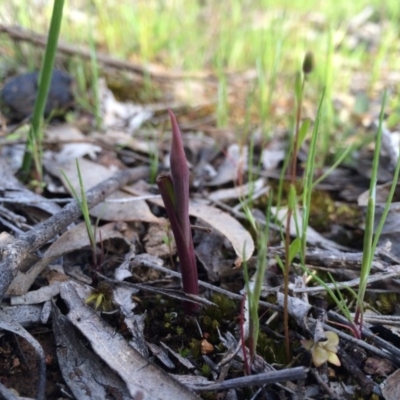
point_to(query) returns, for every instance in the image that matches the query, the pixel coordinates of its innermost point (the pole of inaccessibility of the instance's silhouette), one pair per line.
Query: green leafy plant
(83, 205)
(371, 240)
(253, 288)
(298, 246)
(95, 82)
(35, 136)
(174, 190)
(300, 133)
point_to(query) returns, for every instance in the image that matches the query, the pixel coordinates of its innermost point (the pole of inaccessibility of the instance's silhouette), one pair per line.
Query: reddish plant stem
(353, 329)
(184, 245)
(174, 189)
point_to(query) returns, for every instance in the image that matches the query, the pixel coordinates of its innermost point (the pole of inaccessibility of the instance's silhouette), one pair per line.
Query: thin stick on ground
(289, 374)
(14, 254)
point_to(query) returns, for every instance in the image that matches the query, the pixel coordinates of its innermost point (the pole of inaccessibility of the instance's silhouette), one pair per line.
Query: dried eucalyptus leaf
(138, 373)
(83, 371)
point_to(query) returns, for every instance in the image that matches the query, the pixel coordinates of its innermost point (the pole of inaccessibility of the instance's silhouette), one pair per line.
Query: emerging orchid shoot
(174, 189)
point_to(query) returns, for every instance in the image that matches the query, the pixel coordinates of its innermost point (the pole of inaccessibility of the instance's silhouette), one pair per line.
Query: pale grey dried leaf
(124, 270)
(138, 373)
(85, 374)
(298, 309)
(46, 312)
(231, 394)
(391, 227)
(13, 191)
(41, 295)
(24, 280)
(341, 391)
(319, 333)
(27, 198)
(388, 155)
(135, 323)
(232, 348)
(123, 297)
(73, 151)
(390, 147)
(184, 361)
(391, 386)
(246, 307)
(7, 394)
(192, 380)
(144, 258)
(233, 165)
(121, 206)
(125, 116)
(271, 157)
(313, 237)
(10, 325)
(60, 132)
(92, 173)
(159, 242)
(238, 191)
(210, 249)
(78, 238)
(161, 355)
(228, 226)
(381, 195)
(25, 315)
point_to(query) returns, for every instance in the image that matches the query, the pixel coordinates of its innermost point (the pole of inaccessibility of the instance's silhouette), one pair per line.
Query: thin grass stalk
(83, 205)
(387, 205)
(263, 238)
(369, 242)
(35, 135)
(95, 82)
(308, 180)
(334, 165)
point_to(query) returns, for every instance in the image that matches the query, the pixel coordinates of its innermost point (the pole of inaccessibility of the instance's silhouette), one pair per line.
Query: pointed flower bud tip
(308, 63)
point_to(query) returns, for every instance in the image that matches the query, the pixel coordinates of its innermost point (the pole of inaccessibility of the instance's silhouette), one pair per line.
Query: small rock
(17, 98)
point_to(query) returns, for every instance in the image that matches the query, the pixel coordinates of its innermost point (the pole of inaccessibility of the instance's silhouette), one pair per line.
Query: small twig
(146, 263)
(20, 34)
(321, 382)
(366, 384)
(290, 374)
(344, 285)
(392, 353)
(174, 294)
(7, 394)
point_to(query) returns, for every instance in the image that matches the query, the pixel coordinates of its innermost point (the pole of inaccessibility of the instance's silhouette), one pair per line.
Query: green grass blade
(34, 149)
(369, 224)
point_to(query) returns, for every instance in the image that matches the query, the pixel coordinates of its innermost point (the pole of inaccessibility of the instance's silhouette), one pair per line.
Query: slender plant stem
(369, 241)
(35, 136)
